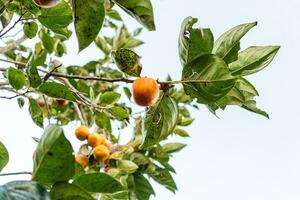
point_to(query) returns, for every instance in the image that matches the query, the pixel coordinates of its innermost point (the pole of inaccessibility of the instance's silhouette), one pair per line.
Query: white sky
(240, 156)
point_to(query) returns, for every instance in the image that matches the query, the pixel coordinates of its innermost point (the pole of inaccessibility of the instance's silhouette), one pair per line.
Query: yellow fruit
(96, 140)
(82, 160)
(101, 153)
(145, 91)
(46, 3)
(82, 132)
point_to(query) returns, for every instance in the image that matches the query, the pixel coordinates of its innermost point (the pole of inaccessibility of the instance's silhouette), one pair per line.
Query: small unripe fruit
(46, 3)
(82, 160)
(41, 103)
(96, 140)
(109, 145)
(145, 91)
(82, 132)
(101, 153)
(61, 102)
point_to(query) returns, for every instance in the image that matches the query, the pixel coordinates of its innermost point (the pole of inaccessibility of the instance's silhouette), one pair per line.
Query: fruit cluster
(101, 147)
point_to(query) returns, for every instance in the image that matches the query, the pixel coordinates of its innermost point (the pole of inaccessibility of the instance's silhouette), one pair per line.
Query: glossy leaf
(30, 29)
(141, 10)
(56, 90)
(127, 166)
(53, 158)
(88, 20)
(193, 42)
(253, 59)
(207, 78)
(36, 113)
(108, 98)
(67, 191)
(98, 182)
(47, 40)
(160, 120)
(4, 157)
(173, 147)
(128, 62)
(103, 121)
(228, 44)
(142, 187)
(119, 112)
(181, 132)
(23, 190)
(33, 76)
(16, 78)
(57, 17)
(163, 177)
(242, 94)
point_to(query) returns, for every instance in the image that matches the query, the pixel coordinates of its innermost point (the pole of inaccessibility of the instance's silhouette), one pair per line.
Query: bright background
(240, 156)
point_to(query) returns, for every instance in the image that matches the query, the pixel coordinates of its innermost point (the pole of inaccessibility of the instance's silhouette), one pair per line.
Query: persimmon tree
(214, 74)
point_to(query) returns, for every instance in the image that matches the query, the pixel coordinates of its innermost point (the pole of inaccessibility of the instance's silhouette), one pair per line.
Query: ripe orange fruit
(82, 132)
(82, 160)
(96, 140)
(145, 91)
(46, 3)
(101, 153)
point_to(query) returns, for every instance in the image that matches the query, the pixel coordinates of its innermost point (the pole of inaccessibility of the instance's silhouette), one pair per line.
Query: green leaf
(67, 191)
(88, 20)
(33, 76)
(181, 132)
(36, 113)
(56, 90)
(186, 122)
(141, 10)
(123, 39)
(30, 29)
(207, 78)
(163, 177)
(57, 17)
(127, 92)
(23, 190)
(127, 61)
(103, 45)
(173, 147)
(47, 40)
(4, 157)
(228, 44)
(6, 18)
(142, 187)
(160, 120)
(123, 195)
(109, 98)
(16, 78)
(21, 102)
(119, 112)
(103, 121)
(242, 94)
(192, 42)
(98, 182)
(253, 59)
(53, 158)
(127, 166)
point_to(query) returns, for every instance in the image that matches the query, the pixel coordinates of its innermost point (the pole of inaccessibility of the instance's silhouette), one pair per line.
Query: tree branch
(16, 173)
(13, 45)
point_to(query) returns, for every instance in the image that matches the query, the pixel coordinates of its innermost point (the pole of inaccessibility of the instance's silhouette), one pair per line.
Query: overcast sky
(239, 156)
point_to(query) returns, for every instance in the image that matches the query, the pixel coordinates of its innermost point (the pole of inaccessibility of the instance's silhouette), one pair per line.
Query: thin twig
(47, 76)
(13, 26)
(80, 116)
(16, 173)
